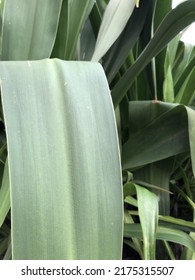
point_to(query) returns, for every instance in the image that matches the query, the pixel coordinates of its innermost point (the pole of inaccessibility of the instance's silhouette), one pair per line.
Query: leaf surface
(66, 194)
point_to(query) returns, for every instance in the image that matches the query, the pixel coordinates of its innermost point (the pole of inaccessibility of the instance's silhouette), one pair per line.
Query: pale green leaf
(157, 174)
(163, 233)
(148, 214)
(176, 221)
(66, 194)
(114, 20)
(168, 87)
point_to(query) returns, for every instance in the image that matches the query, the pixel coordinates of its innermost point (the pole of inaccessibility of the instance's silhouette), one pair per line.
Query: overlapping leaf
(114, 20)
(66, 195)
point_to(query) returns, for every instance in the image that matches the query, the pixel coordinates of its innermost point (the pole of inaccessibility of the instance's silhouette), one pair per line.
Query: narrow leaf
(179, 18)
(73, 16)
(4, 195)
(163, 233)
(148, 214)
(117, 54)
(114, 20)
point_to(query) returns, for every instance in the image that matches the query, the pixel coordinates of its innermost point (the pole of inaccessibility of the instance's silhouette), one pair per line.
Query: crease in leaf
(66, 198)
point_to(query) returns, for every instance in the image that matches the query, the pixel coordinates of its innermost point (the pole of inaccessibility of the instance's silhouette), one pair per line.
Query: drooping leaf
(182, 224)
(66, 195)
(163, 233)
(166, 130)
(148, 214)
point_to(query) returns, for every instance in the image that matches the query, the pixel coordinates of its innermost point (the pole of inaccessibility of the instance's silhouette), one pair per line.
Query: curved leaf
(165, 136)
(148, 214)
(121, 48)
(163, 233)
(66, 194)
(114, 20)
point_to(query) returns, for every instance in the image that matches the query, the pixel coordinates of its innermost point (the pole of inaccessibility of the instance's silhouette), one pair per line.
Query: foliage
(150, 72)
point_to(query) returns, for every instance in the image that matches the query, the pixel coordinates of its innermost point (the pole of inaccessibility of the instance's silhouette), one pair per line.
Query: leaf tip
(137, 3)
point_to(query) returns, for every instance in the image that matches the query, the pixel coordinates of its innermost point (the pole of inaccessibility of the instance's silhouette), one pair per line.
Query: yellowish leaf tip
(137, 3)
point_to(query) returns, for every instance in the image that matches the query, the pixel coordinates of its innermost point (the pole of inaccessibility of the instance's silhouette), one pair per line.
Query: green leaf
(168, 87)
(163, 233)
(157, 174)
(86, 42)
(161, 136)
(148, 214)
(117, 54)
(114, 20)
(161, 10)
(190, 226)
(4, 195)
(66, 193)
(186, 93)
(179, 18)
(29, 29)
(191, 130)
(184, 75)
(73, 16)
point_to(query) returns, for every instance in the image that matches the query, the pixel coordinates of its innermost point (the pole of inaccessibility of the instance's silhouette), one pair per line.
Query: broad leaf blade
(148, 214)
(65, 177)
(164, 136)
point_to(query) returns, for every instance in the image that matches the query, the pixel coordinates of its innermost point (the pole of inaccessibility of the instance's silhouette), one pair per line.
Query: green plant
(63, 157)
